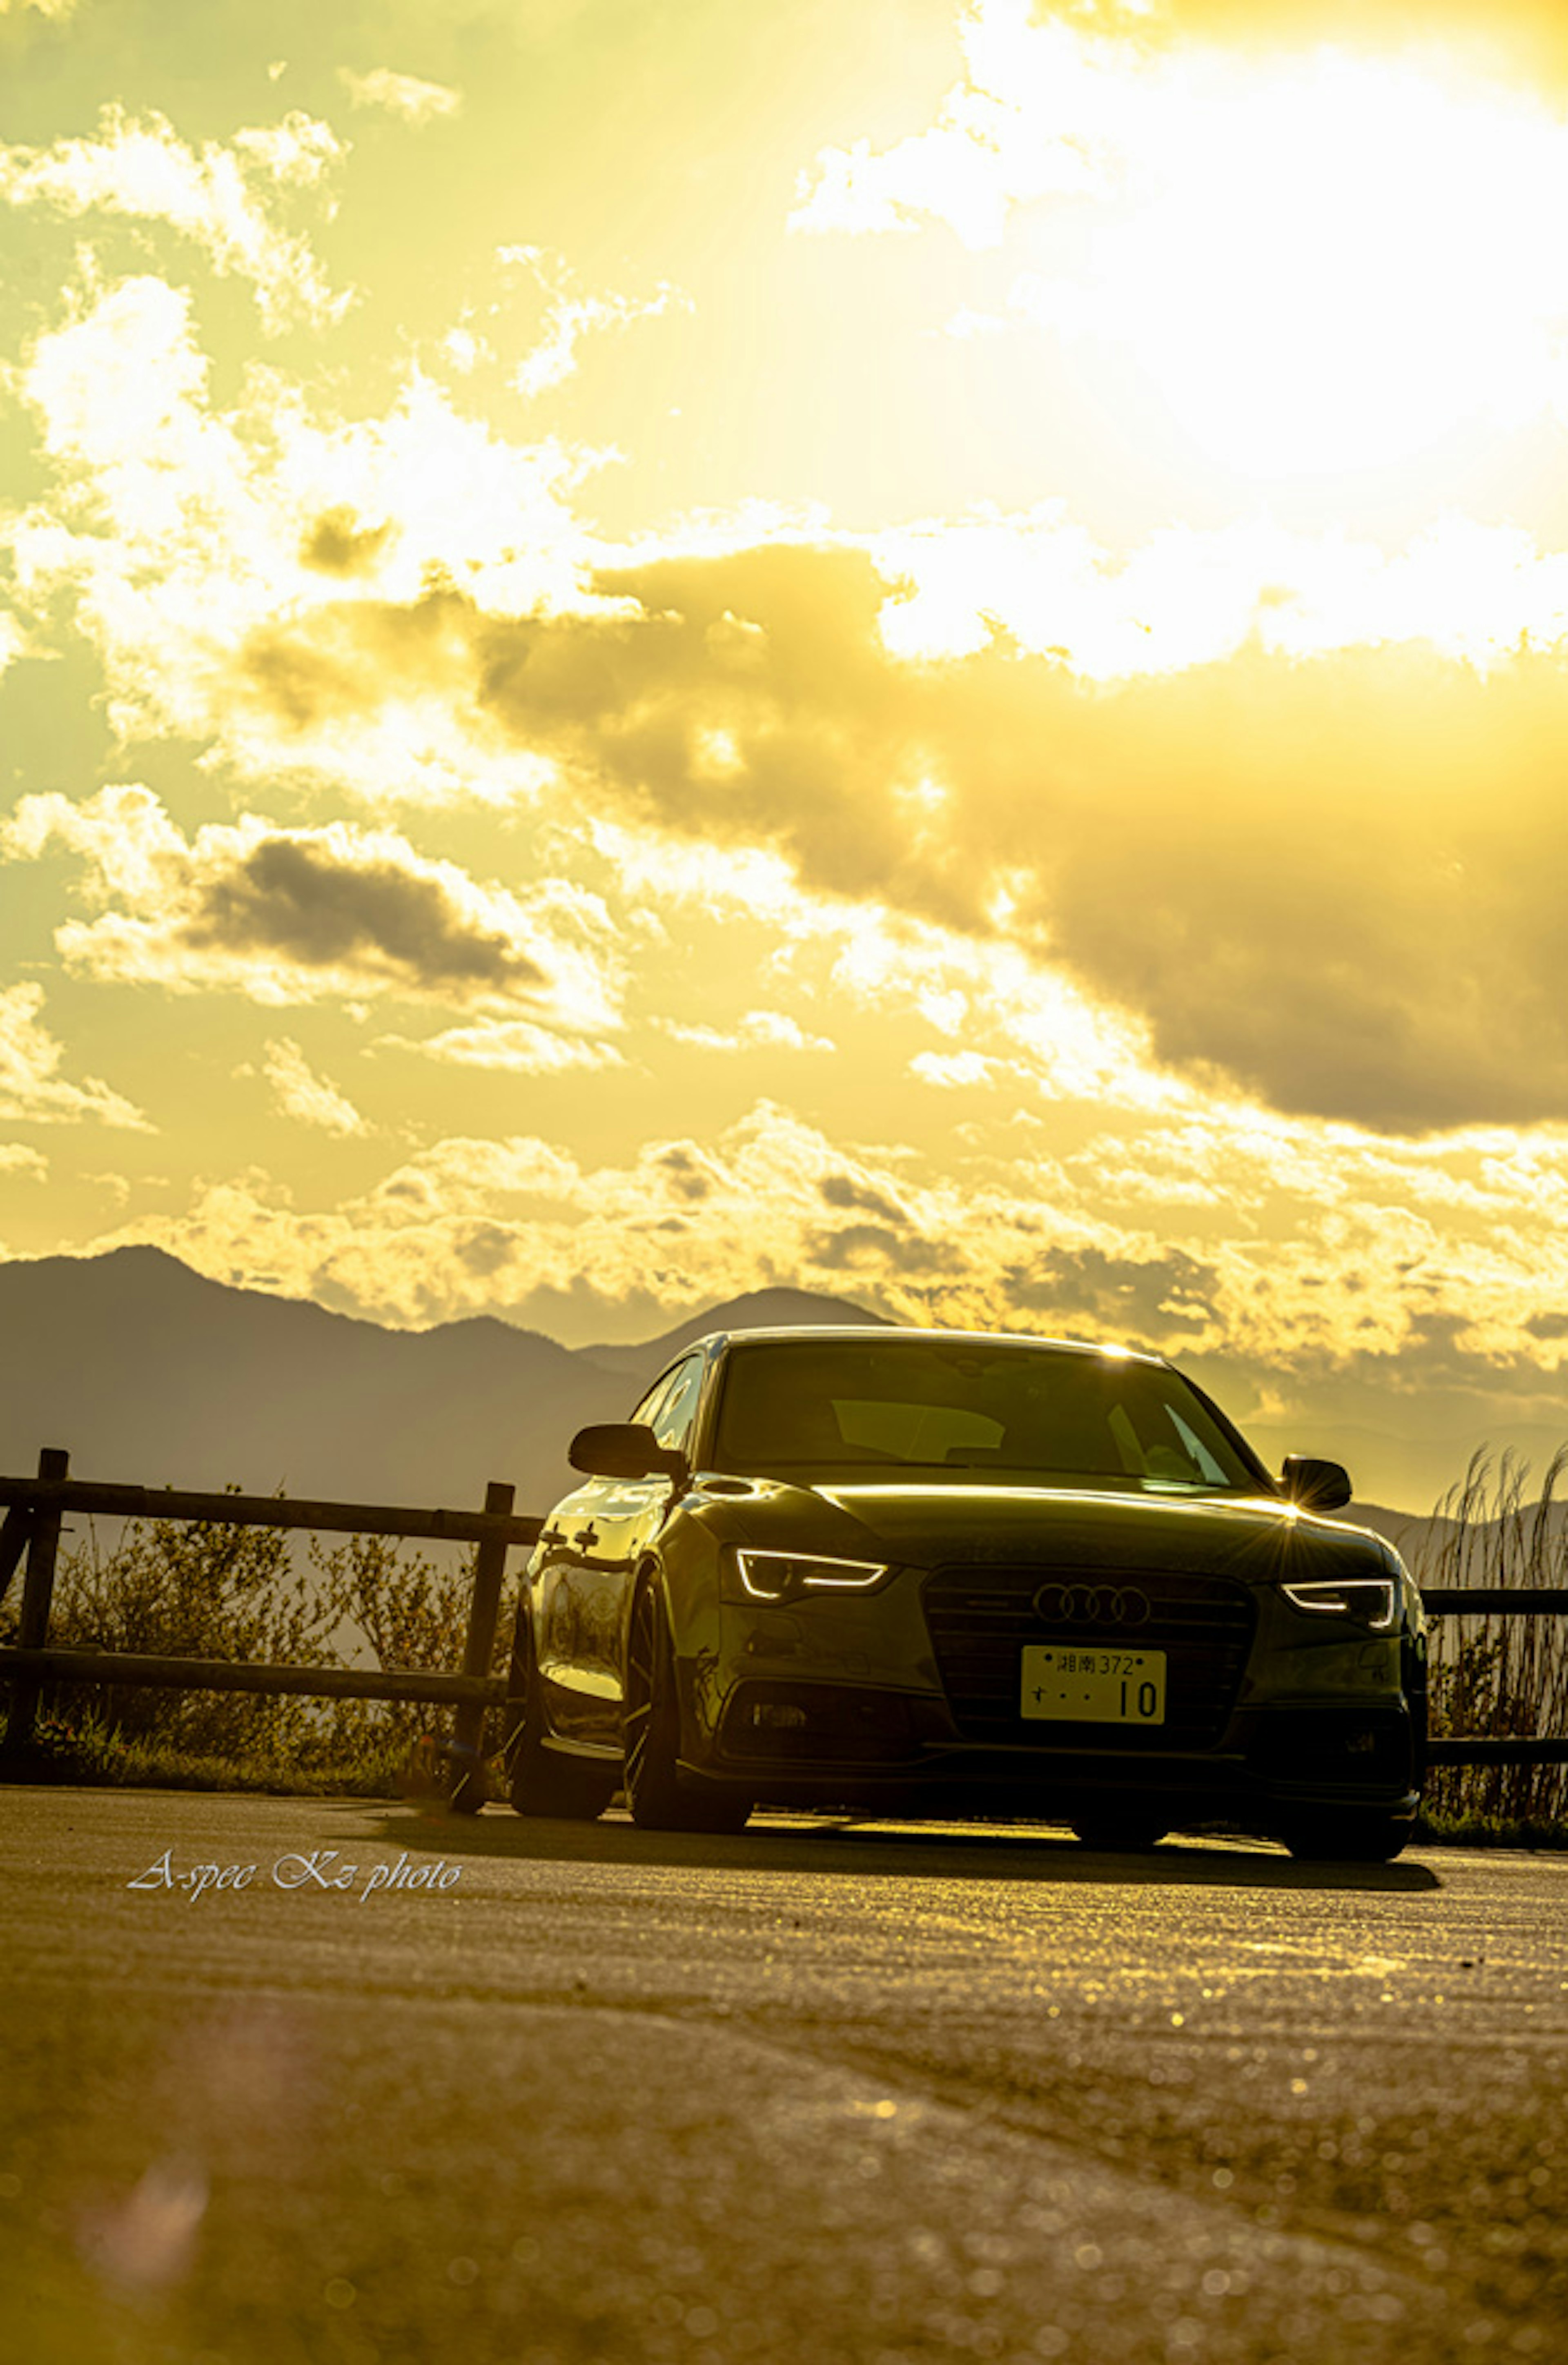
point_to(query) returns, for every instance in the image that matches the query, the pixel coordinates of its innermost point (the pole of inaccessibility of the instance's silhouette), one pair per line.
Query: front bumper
(909, 1701)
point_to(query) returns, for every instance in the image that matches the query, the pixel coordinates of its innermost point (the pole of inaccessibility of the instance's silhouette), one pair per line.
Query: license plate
(1070, 1683)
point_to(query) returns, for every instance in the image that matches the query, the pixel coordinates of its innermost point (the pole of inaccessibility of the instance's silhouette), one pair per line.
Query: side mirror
(1315, 1485)
(623, 1449)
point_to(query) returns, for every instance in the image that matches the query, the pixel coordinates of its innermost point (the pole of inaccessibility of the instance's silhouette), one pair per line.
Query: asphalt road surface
(859, 2093)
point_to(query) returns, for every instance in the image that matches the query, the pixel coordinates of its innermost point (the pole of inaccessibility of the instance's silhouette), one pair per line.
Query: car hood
(1252, 1537)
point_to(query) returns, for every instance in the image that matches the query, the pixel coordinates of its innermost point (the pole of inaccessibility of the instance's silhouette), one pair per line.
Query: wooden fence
(36, 1507)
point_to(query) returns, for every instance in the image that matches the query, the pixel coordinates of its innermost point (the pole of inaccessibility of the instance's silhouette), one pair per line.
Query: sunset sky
(649, 647)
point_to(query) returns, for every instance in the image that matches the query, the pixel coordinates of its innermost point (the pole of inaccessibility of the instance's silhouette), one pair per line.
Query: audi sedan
(939, 1572)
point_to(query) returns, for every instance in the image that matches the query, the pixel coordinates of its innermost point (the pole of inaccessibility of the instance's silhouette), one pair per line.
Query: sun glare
(1330, 264)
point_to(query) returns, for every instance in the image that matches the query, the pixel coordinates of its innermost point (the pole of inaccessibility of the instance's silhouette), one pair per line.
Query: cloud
(405, 95)
(193, 545)
(340, 542)
(1120, 1297)
(953, 1071)
(305, 914)
(19, 1157)
(1040, 113)
(1330, 881)
(573, 315)
(219, 195)
(513, 1044)
(300, 1094)
(758, 1031)
(846, 1191)
(32, 1090)
(1301, 852)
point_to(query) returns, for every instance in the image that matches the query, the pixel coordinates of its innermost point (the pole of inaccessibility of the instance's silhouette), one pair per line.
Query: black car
(951, 1573)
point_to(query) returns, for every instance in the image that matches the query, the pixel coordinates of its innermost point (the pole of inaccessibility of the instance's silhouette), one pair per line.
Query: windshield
(972, 1411)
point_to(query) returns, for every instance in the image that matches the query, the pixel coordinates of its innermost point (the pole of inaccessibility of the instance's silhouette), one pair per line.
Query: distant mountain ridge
(147, 1372)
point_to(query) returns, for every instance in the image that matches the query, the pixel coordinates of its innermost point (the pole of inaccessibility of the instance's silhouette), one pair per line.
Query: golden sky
(649, 649)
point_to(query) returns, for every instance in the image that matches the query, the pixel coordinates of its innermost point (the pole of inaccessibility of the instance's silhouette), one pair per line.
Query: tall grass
(1494, 1675)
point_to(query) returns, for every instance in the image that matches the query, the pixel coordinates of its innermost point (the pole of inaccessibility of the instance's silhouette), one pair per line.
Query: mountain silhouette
(148, 1373)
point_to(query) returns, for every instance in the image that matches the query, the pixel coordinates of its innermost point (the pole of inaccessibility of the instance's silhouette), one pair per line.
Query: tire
(1119, 1832)
(661, 1797)
(540, 1781)
(1341, 1835)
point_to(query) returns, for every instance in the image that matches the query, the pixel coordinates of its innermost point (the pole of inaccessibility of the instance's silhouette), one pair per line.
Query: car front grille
(980, 1618)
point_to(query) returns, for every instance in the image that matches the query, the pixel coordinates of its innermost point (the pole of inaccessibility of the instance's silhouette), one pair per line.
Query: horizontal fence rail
(1456, 1749)
(1483, 1601)
(36, 1507)
(69, 1667)
(32, 1495)
(1487, 1601)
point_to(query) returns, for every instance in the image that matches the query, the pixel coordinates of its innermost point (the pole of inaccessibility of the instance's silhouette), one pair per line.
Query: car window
(648, 1411)
(673, 1418)
(1046, 1416)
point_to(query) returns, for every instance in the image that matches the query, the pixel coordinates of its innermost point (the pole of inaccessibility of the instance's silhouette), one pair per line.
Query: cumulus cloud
(513, 1044)
(1040, 113)
(1130, 1297)
(574, 313)
(182, 533)
(304, 914)
(32, 1090)
(300, 1094)
(953, 1071)
(406, 97)
(849, 1191)
(757, 1030)
(1302, 853)
(19, 1157)
(1330, 881)
(220, 194)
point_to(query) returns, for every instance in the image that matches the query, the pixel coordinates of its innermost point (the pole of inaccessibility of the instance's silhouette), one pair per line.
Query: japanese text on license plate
(1079, 1682)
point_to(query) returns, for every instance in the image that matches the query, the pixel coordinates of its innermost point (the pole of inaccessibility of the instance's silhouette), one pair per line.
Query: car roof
(867, 1332)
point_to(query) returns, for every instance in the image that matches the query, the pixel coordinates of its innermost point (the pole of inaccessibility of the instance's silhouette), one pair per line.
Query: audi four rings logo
(1091, 1605)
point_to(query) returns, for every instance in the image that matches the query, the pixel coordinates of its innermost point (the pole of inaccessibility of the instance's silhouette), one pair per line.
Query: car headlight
(1372, 1600)
(774, 1576)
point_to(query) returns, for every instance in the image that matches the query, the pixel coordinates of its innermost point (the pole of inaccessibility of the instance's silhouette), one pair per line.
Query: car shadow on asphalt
(781, 1844)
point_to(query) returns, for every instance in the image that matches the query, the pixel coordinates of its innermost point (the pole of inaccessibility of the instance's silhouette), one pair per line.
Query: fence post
(470, 1790)
(37, 1593)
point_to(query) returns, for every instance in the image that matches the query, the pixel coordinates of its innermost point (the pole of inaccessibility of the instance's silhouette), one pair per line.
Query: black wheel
(1120, 1832)
(661, 1797)
(1343, 1835)
(539, 1781)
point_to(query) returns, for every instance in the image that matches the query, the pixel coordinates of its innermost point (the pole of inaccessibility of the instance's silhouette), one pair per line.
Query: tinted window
(1041, 1415)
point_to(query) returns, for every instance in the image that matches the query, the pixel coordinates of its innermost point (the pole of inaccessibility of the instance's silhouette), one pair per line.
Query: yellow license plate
(1072, 1682)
